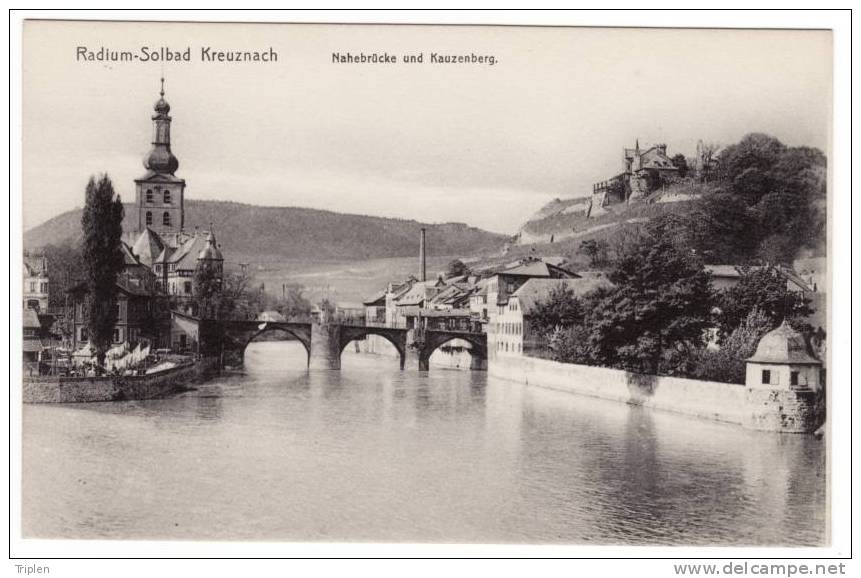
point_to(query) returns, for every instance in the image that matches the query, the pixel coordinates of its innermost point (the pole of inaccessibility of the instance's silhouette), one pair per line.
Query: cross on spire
(162, 86)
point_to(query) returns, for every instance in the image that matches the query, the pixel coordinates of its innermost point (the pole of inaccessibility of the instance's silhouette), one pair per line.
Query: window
(165, 219)
(32, 286)
(793, 378)
(149, 218)
(188, 287)
(116, 335)
(766, 376)
(43, 287)
(84, 335)
(167, 197)
(149, 198)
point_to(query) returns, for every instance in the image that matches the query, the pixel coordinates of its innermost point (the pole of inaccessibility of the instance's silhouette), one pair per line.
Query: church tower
(159, 194)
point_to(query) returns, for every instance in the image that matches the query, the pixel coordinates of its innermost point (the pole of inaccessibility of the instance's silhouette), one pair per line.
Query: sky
(474, 143)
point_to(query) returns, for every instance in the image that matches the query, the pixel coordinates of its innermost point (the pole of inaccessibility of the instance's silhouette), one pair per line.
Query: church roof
(129, 258)
(148, 247)
(164, 256)
(185, 257)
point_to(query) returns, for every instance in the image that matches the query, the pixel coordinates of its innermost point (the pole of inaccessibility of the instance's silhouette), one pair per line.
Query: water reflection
(372, 453)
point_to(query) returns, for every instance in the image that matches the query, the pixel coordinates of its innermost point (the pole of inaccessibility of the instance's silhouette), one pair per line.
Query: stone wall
(786, 411)
(53, 389)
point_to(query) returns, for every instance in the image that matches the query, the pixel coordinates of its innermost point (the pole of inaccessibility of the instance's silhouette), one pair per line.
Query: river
(371, 453)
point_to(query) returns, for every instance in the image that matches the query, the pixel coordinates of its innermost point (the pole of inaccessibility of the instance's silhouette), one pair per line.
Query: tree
(561, 309)
(747, 166)
(456, 268)
(595, 250)
(66, 268)
(661, 302)
(680, 162)
(207, 286)
(103, 261)
(723, 229)
(728, 364)
(294, 304)
(763, 289)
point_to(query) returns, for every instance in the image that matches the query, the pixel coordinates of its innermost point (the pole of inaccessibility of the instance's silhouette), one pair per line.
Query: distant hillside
(267, 234)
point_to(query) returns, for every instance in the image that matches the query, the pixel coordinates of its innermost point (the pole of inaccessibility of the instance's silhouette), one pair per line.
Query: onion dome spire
(160, 159)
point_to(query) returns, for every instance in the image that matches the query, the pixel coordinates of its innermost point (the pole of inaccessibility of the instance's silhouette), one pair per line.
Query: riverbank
(62, 389)
(779, 410)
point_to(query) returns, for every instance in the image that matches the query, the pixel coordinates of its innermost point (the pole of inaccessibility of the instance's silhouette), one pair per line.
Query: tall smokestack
(422, 263)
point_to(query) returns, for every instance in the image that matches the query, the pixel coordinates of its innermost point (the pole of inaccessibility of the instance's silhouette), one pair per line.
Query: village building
(503, 283)
(513, 332)
(783, 361)
(36, 283)
(141, 316)
(33, 345)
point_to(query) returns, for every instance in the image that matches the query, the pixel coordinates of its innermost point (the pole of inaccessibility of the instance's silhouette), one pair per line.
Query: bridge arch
(292, 332)
(433, 340)
(238, 335)
(396, 337)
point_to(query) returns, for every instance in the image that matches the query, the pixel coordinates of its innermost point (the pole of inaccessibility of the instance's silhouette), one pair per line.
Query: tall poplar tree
(102, 224)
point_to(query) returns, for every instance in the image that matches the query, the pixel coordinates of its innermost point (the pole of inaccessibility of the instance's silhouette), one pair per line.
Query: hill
(269, 234)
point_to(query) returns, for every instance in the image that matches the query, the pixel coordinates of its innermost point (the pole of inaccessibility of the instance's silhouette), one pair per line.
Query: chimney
(422, 264)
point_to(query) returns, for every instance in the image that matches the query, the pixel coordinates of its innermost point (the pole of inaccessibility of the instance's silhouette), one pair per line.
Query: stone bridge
(324, 343)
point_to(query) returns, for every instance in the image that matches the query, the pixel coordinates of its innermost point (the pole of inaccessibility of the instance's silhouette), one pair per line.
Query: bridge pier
(477, 362)
(325, 346)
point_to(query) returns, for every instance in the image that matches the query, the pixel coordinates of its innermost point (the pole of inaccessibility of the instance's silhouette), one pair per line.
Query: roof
(185, 256)
(415, 296)
(31, 319)
(377, 299)
(153, 176)
(735, 272)
(535, 291)
(210, 252)
(537, 268)
(165, 255)
(32, 345)
(783, 345)
(134, 285)
(129, 258)
(35, 266)
(533, 269)
(148, 246)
